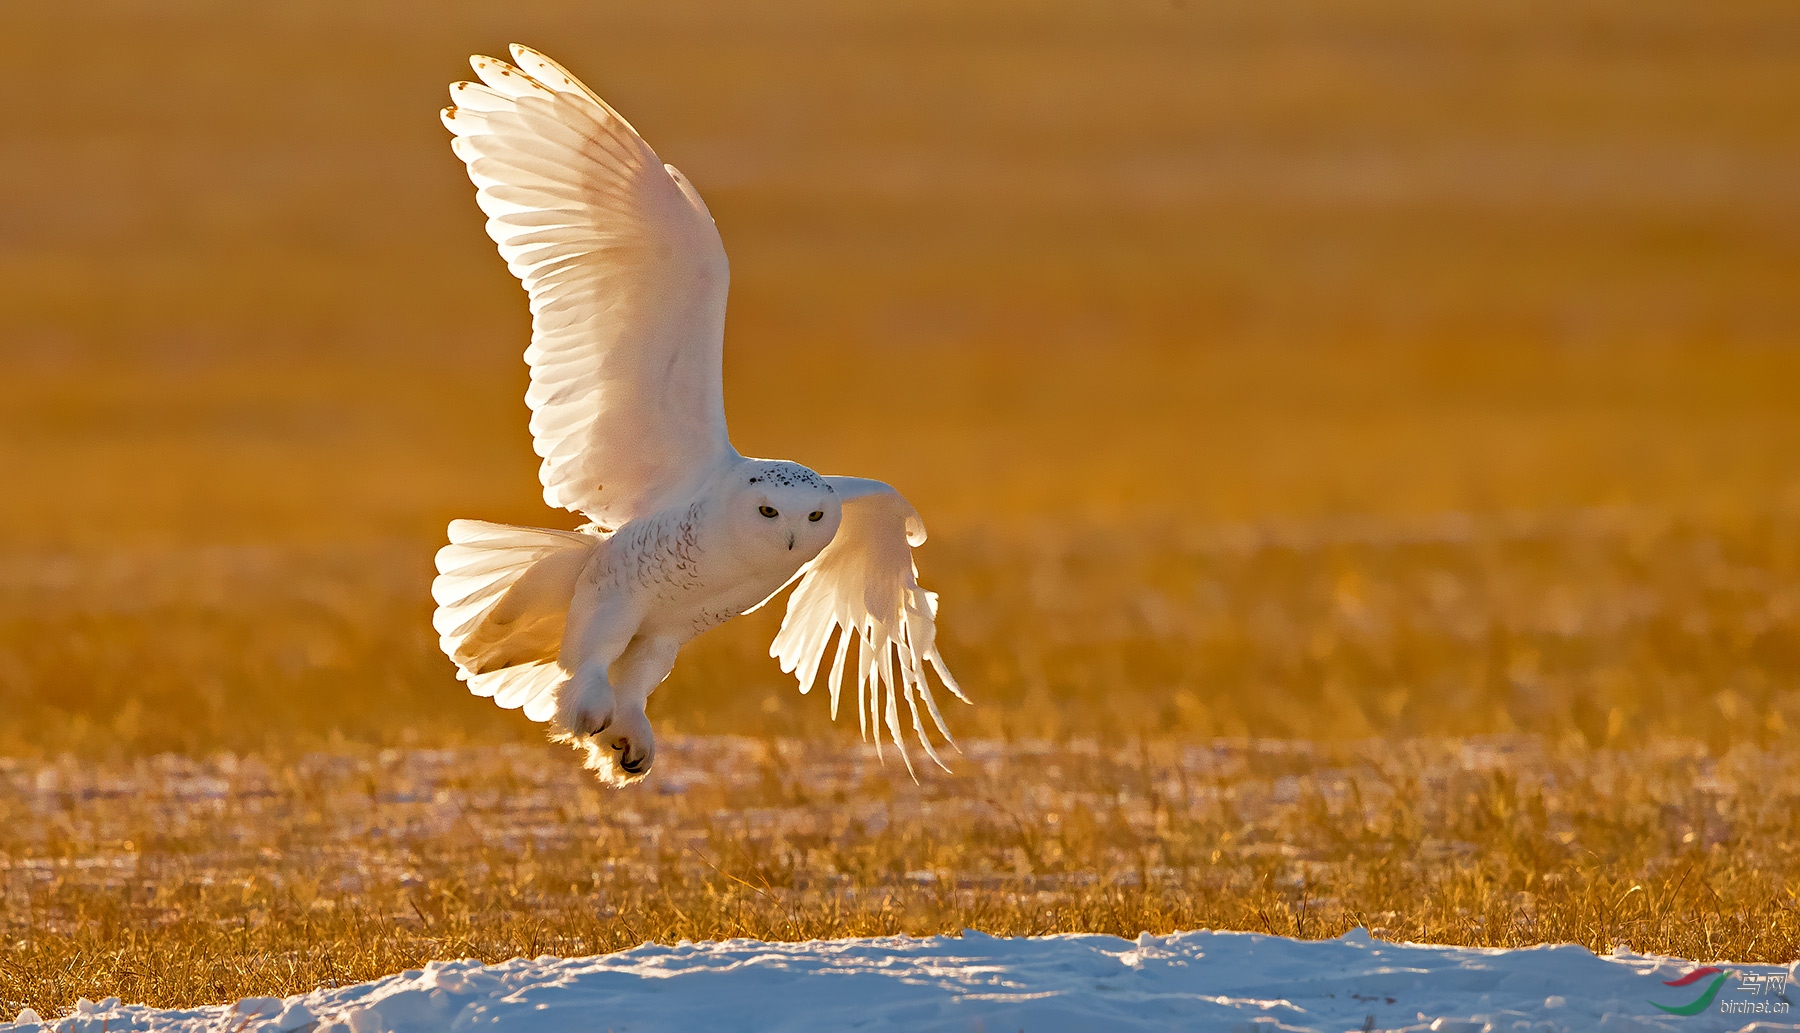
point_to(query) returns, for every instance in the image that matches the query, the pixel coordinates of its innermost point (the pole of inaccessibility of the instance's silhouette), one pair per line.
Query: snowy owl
(627, 279)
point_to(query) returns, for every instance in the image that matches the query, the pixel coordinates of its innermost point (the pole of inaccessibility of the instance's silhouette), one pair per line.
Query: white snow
(1186, 981)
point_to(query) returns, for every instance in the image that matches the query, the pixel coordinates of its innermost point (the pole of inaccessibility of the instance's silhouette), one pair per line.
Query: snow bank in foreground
(1188, 981)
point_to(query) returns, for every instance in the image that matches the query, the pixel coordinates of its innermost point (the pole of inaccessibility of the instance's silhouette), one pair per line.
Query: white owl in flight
(627, 280)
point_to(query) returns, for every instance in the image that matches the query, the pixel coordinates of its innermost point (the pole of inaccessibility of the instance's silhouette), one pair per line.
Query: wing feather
(865, 586)
(627, 281)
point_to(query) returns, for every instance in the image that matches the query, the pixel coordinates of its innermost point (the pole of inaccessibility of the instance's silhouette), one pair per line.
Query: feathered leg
(622, 752)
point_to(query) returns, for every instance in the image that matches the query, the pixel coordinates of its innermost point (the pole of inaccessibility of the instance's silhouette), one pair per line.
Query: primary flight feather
(627, 278)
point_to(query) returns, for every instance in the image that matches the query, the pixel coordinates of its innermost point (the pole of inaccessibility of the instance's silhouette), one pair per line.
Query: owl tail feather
(503, 597)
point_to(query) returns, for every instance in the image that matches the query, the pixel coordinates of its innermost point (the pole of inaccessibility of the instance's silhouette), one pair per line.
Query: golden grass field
(1298, 388)
(173, 880)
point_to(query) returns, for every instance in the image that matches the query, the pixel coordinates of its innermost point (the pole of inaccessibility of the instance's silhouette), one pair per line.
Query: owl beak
(790, 541)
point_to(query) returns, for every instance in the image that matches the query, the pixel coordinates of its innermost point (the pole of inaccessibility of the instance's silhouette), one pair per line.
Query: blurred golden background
(1260, 368)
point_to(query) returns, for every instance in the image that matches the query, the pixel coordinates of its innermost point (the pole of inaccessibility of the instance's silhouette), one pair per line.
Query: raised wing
(627, 279)
(866, 584)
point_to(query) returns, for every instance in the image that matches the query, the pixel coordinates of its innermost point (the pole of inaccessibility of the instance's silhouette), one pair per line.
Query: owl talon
(588, 727)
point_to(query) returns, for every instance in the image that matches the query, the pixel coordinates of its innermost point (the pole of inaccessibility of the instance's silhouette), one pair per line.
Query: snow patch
(1196, 980)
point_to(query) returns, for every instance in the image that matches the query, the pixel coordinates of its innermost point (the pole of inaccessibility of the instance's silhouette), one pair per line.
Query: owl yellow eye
(768, 511)
(815, 515)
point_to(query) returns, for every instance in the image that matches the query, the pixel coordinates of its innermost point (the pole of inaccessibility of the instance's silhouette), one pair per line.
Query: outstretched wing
(866, 584)
(627, 279)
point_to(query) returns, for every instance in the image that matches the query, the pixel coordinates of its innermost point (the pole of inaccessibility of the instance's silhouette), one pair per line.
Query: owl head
(783, 512)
